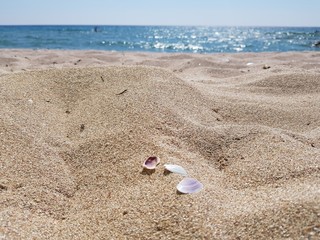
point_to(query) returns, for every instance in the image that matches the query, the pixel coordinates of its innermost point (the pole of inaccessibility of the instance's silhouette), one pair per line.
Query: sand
(75, 127)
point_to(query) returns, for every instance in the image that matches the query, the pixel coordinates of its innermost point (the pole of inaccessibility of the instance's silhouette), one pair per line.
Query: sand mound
(73, 141)
(306, 83)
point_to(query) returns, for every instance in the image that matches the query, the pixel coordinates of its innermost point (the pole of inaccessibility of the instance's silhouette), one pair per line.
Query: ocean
(162, 38)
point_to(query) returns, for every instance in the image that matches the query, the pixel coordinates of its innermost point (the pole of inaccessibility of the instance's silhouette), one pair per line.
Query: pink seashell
(189, 185)
(151, 162)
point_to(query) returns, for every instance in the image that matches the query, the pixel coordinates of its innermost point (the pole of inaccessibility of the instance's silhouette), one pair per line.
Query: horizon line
(163, 25)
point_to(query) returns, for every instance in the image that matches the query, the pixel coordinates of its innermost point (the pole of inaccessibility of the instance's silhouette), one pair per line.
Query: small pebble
(266, 67)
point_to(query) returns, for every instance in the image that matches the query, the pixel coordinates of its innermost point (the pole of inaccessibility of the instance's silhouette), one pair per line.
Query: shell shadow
(146, 171)
(166, 172)
(180, 193)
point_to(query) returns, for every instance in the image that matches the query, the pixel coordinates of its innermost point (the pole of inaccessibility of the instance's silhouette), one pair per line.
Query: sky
(162, 12)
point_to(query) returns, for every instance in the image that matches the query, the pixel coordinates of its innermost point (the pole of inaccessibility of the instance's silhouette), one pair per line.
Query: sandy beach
(76, 126)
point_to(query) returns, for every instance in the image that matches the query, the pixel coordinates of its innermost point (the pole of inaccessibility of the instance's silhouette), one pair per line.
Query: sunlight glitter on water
(161, 38)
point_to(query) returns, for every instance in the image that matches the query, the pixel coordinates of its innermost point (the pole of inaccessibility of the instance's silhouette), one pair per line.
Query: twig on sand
(122, 92)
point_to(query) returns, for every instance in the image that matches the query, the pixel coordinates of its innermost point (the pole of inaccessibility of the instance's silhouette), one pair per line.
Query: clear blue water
(162, 38)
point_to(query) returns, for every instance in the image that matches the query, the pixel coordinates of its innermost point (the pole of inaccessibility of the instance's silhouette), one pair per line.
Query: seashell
(189, 185)
(176, 169)
(151, 162)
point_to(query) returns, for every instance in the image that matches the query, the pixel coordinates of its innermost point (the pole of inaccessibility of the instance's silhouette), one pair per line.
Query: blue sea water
(162, 38)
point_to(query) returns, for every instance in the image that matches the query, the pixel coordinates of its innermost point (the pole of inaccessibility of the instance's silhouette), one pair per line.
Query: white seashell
(151, 162)
(176, 169)
(189, 185)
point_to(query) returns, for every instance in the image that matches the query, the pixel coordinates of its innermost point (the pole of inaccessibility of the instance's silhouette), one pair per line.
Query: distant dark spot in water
(97, 29)
(317, 44)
